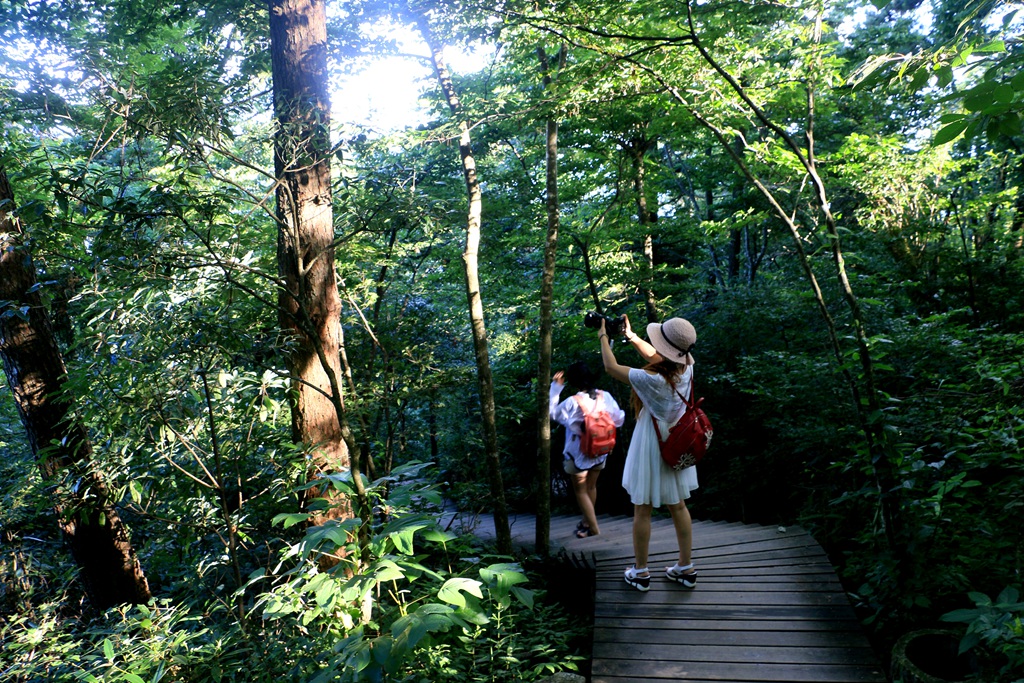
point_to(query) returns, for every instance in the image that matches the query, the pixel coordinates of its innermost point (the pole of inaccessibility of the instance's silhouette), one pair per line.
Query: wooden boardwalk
(767, 607)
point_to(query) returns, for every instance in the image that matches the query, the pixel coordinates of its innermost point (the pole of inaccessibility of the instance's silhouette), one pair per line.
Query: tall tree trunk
(542, 538)
(309, 306)
(36, 373)
(638, 147)
(502, 532)
(435, 448)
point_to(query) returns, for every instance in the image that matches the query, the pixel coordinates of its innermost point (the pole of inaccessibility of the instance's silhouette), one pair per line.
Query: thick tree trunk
(308, 303)
(542, 538)
(502, 532)
(36, 373)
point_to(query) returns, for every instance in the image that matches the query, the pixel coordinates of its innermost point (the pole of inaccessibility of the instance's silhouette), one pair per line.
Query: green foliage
(141, 167)
(399, 597)
(415, 608)
(130, 644)
(976, 74)
(994, 628)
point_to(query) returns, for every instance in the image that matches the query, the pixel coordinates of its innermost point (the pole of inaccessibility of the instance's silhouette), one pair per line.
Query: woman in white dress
(659, 389)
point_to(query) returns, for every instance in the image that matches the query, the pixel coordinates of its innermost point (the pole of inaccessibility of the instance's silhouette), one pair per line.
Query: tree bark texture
(542, 536)
(638, 147)
(502, 532)
(36, 374)
(309, 305)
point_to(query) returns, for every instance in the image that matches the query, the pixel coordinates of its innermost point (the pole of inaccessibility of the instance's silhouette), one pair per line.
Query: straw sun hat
(674, 339)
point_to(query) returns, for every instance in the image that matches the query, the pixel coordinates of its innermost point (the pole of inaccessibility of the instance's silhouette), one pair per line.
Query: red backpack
(598, 437)
(687, 442)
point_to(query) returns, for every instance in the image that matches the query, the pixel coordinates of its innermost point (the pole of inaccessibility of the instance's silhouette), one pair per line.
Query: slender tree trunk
(869, 410)
(309, 305)
(639, 147)
(502, 532)
(435, 448)
(547, 287)
(1017, 225)
(36, 374)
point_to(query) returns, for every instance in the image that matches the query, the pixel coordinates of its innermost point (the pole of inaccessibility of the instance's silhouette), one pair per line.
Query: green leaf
(381, 649)
(452, 590)
(524, 595)
(969, 640)
(289, 519)
(108, 649)
(467, 618)
(1003, 93)
(960, 615)
(949, 133)
(1010, 125)
(979, 101)
(135, 490)
(387, 570)
(919, 79)
(980, 599)
(994, 46)
(438, 536)
(403, 541)
(1009, 595)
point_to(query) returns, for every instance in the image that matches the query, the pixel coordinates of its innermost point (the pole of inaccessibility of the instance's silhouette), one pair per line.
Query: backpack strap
(693, 388)
(687, 402)
(656, 430)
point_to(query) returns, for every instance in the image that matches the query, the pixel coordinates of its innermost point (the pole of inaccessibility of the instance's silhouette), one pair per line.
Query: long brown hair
(667, 369)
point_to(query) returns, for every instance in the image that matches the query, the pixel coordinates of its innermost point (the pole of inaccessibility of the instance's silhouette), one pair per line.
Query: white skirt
(646, 477)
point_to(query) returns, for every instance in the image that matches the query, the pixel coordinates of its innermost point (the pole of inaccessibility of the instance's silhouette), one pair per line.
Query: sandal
(585, 532)
(687, 575)
(633, 578)
(582, 526)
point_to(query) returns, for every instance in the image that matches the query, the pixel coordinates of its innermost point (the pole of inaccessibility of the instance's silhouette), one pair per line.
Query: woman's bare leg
(641, 533)
(684, 531)
(583, 499)
(592, 475)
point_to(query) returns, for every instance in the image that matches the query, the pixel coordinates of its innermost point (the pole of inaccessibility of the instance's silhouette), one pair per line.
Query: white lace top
(657, 395)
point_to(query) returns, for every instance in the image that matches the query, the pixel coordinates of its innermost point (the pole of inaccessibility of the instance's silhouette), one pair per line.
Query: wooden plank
(617, 548)
(693, 632)
(685, 622)
(761, 558)
(625, 670)
(747, 654)
(772, 582)
(676, 596)
(703, 538)
(657, 610)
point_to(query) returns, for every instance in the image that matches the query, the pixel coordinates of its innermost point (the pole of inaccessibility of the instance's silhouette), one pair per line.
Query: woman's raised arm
(611, 365)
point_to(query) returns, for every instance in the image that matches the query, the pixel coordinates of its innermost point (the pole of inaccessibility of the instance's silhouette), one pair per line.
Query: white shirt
(568, 414)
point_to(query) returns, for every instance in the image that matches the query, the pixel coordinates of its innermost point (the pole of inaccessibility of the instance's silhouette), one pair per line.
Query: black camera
(613, 326)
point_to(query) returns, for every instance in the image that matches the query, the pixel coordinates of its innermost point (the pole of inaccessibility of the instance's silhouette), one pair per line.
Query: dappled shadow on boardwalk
(768, 606)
